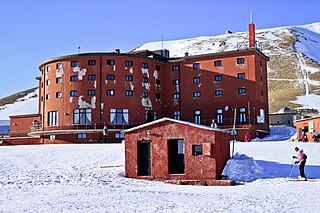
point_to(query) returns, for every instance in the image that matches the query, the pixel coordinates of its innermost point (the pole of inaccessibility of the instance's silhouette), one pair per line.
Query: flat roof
(136, 54)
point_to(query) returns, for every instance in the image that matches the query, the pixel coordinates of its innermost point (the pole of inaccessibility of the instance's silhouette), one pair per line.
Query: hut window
(196, 150)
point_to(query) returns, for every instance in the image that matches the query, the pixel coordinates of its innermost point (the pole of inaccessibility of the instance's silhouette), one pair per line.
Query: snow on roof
(175, 121)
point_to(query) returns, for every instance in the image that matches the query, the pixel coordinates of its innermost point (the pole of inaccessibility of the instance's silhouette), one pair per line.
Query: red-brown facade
(92, 97)
(169, 149)
(308, 125)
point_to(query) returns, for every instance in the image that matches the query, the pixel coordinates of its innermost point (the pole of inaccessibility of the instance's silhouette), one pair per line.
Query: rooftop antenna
(79, 49)
(162, 42)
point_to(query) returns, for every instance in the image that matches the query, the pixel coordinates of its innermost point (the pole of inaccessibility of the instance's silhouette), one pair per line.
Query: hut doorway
(144, 160)
(176, 156)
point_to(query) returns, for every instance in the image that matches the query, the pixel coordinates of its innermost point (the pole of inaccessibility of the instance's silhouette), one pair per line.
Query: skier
(301, 158)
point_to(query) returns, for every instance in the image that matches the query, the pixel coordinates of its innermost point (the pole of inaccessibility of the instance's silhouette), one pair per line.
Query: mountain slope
(293, 70)
(25, 102)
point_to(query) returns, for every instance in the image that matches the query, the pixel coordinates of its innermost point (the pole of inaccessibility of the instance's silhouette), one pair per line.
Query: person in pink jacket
(301, 158)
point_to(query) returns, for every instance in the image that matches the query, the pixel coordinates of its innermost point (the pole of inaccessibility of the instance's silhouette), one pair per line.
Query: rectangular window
(176, 68)
(91, 77)
(53, 118)
(129, 64)
(129, 78)
(145, 80)
(176, 115)
(218, 92)
(81, 136)
(242, 115)
(240, 60)
(111, 62)
(73, 63)
(196, 94)
(158, 96)
(218, 77)
(119, 116)
(82, 116)
(110, 92)
(58, 95)
(52, 137)
(219, 114)
(217, 63)
(196, 66)
(145, 94)
(47, 82)
(144, 65)
(196, 150)
(157, 82)
(241, 75)
(73, 78)
(242, 90)
(176, 96)
(196, 80)
(47, 96)
(176, 82)
(48, 68)
(111, 77)
(197, 116)
(73, 93)
(129, 92)
(91, 92)
(59, 66)
(58, 80)
(91, 62)
(119, 136)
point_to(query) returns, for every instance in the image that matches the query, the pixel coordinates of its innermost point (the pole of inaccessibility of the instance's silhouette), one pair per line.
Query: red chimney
(252, 34)
(252, 38)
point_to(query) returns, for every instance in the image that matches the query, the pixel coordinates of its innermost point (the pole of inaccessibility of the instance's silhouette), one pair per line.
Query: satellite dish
(226, 108)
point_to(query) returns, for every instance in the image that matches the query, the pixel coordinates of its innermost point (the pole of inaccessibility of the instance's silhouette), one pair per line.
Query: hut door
(144, 159)
(176, 156)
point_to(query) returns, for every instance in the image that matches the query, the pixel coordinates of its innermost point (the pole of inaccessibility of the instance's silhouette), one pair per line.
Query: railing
(244, 45)
(227, 123)
(92, 126)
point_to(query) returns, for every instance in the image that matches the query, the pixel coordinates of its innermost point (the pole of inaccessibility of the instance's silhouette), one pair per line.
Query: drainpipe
(100, 95)
(43, 100)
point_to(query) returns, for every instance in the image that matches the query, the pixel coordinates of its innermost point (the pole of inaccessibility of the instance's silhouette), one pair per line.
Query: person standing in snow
(247, 137)
(301, 158)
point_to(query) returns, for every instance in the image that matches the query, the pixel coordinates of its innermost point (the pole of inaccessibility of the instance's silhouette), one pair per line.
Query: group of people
(304, 136)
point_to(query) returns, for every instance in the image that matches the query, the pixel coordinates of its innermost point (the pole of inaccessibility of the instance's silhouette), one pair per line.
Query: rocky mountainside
(293, 69)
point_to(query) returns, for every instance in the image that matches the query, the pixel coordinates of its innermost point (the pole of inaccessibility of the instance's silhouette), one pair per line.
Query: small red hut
(168, 149)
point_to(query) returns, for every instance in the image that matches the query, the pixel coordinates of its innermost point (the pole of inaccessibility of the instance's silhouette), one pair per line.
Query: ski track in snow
(69, 178)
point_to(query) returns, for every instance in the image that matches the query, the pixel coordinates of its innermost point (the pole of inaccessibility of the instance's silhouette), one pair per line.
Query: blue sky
(37, 30)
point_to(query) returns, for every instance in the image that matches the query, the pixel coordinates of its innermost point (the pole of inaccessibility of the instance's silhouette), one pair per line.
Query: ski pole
(291, 169)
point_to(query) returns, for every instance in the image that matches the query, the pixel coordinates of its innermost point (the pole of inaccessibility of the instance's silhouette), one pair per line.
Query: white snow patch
(308, 101)
(242, 168)
(59, 73)
(82, 104)
(24, 105)
(81, 72)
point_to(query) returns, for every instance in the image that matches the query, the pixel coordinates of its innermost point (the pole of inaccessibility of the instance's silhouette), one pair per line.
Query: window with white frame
(197, 116)
(81, 136)
(242, 115)
(176, 115)
(53, 118)
(219, 116)
(119, 116)
(82, 116)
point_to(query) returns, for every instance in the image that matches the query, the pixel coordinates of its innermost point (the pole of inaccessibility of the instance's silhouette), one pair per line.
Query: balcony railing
(227, 123)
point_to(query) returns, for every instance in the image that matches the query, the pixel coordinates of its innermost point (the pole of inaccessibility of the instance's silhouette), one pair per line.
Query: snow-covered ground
(69, 178)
